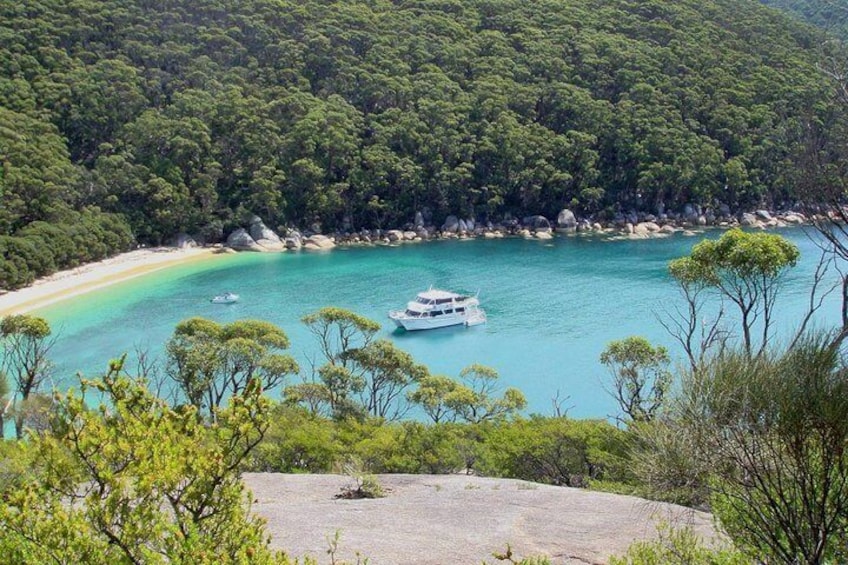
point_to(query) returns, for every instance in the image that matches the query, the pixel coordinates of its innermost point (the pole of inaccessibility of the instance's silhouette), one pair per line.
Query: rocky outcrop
(451, 224)
(258, 230)
(183, 241)
(794, 218)
(318, 242)
(749, 220)
(437, 519)
(265, 236)
(293, 240)
(240, 240)
(566, 221)
(629, 224)
(536, 223)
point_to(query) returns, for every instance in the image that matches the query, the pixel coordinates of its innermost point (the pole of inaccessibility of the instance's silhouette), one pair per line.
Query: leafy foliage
(743, 268)
(137, 482)
(831, 16)
(678, 546)
(210, 362)
(358, 114)
(772, 432)
(556, 451)
(25, 343)
(640, 376)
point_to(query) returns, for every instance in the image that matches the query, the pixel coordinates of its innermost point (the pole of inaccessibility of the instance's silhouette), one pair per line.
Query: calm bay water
(552, 306)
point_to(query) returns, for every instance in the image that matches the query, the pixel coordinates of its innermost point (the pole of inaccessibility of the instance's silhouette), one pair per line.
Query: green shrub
(297, 442)
(678, 546)
(557, 451)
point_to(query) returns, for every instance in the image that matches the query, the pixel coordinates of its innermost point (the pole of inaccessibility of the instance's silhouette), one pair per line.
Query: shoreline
(95, 276)
(90, 277)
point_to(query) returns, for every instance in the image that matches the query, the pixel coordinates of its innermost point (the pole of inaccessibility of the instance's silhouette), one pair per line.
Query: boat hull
(435, 308)
(412, 324)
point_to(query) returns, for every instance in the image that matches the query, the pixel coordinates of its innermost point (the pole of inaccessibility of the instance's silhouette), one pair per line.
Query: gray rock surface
(794, 218)
(457, 519)
(240, 240)
(451, 224)
(258, 230)
(294, 239)
(566, 220)
(536, 223)
(749, 220)
(183, 241)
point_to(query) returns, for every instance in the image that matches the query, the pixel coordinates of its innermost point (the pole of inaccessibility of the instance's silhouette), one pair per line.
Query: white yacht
(438, 309)
(226, 298)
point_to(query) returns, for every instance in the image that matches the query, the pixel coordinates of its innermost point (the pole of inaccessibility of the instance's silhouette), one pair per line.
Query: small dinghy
(226, 298)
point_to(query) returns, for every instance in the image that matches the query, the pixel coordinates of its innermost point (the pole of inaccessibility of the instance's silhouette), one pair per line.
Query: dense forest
(831, 15)
(128, 121)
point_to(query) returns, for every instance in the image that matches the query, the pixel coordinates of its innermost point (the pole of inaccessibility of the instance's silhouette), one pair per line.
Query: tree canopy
(826, 14)
(156, 119)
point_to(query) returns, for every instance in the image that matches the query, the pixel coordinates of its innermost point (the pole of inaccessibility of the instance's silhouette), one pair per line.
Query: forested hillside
(830, 15)
(186, 115)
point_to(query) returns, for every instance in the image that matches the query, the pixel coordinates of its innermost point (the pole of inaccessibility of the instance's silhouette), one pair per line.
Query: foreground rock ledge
(457, 519)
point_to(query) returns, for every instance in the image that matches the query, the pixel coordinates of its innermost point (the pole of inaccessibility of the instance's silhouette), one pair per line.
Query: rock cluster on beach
(631, 225)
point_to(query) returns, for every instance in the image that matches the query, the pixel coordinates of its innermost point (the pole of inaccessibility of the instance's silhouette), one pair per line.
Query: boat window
(448, 311)
(460, 310)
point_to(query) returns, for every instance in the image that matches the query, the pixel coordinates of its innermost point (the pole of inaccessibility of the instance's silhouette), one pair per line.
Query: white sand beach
(94, 276)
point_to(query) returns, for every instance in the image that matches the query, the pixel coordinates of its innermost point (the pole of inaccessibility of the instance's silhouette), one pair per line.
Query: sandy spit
(94, 276)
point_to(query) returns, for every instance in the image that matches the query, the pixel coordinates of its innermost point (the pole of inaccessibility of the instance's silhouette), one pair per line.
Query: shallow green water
(552, 306)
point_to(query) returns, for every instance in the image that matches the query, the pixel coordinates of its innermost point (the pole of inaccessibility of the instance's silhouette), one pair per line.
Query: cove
(552, 306)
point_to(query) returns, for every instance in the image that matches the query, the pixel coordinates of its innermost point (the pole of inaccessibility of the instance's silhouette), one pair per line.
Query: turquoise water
(552, 306)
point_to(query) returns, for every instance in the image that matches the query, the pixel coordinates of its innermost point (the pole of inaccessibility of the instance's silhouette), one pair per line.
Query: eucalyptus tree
(211, 362)
(432, 395)
(337, 379)
(387, 373)
(747, 270)
(640, 376)
(697, 332)
(26, 344)
(477, 400)
(5, 401)
(340, 331)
